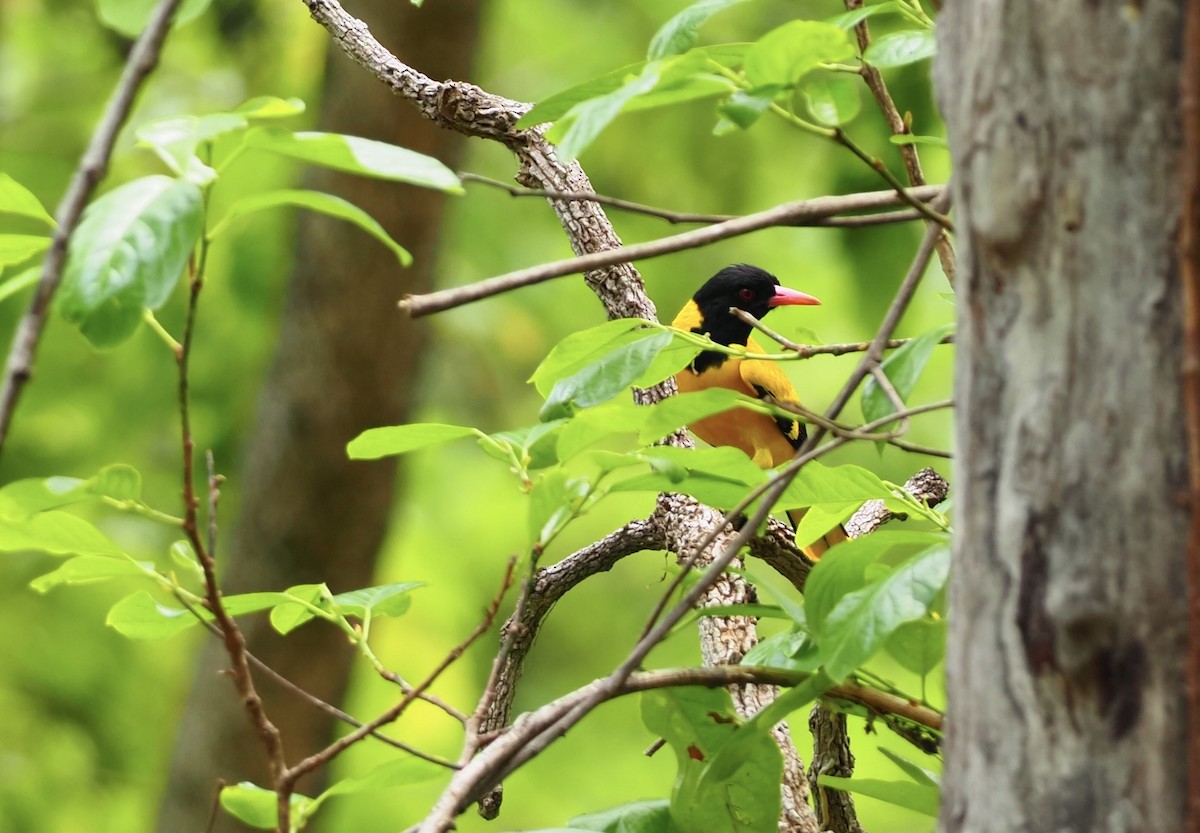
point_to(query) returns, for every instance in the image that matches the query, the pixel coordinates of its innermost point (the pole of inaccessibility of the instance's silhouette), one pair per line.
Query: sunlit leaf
(19, 282)
(919, 645)
(400, 772)
(175, 139)
(783, 55)
(355, 155)
(401, 439)
(847, 20)
(902, 368)
(259, 807)
(86, 569)
(917, 797)
(898, 49)
(15, 198)
(793, 650)
(127, 254)
(382, 600)
(579, 349)
(636, 817)
(129, 17)
(326, 204)
(266, 107)
(605, 377)
(911, 139)
(56, 533)
(917, 773)
(679, 34)
(16, 248)
(140, 616)
(833, 98)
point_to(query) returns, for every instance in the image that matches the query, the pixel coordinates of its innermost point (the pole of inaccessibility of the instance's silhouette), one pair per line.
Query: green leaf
(817, 484)
(555, 499)
(382, 600)
(820, 519)
(581, 348)
(783, 55)
(715, 476)
(919, 646)
(127, 254)
(536, 446)
(591, 425)
(793, 650)
(911, 139)
(399, 772)
(898, 49)
(16, 248)
(266, 107)
(175, 139)
(139, 616)
(288, 614)
(56, 533)
(586, 120)
(679, 34)
(18, 282)
(728, 773)
(554, 107)
(832, 579)
(686, 408)
(352, 154)
(861, 622)
(833, 98)
(918, 773)
(24, 498)
(903, 368)
(401, 439)
(15, 198)
(259, 807)
(129, 17)
(743, 109)
(793, 698)
(326, 204)
(850, 19)
(920, 798)
(636, 817)
(605, 377)
(86, 569)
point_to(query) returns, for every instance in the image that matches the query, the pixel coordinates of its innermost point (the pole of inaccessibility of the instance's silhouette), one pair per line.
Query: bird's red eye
(746, 294)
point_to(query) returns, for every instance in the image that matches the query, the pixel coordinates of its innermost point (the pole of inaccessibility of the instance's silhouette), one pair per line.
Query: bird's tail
(819, 547)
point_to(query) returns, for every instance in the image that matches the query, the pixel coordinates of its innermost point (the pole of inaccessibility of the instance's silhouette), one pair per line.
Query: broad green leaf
(671, 359)
(139, 616)
(399, 772)
(326, 204)
(581, 348)
(920, 798)
(554, 500)
(833, 98)
(832, 579)
(24, 498)
(686, 408)
(288, 615)
(382, 600)
(793, 698)
(591, 425)
(820, 518)
(85, 569)
(266, 107)
(554, 107)
(355, 155)
(175, 139)
(586, 120)
(56, 533)
(19, 282)
(259, 807)
(734, 791)
(244, 603)
(817, 483)
(911, 139)
(679, 34)
(129, 17)
(715, 476)
(184, 558)
(903, 368)
(898, 49)
(861, 622)
(919, 645)
(850, 19)
(743, 109)
(15, 198)
(793, 650)
(401, 439)
(604, 378)
(15, 248)
(128, 254)
(652, 816)
(783, 55)
(536, 445)
(918, 773)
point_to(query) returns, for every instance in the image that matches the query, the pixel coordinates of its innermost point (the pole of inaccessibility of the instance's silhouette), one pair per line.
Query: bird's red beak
(784, 297)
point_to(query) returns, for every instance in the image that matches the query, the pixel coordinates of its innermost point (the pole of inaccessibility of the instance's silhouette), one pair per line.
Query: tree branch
(143, 58)
(804, 212)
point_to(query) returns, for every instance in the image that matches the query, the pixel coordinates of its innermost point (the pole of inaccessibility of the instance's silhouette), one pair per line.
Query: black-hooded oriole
(768, 441)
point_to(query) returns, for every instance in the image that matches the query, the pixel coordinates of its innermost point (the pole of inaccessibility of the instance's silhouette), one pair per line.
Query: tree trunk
(1069, 629)
(347, 361)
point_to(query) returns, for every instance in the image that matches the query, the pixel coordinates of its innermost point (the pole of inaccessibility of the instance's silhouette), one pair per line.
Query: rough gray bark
(1065, 664)
(347, 360)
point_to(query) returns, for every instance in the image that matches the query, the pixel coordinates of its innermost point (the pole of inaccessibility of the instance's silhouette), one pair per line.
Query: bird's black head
(748, 288)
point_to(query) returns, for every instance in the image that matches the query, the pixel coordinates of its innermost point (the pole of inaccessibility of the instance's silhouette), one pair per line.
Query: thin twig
(142, 60)
(905, 445)
(804, 351)
(789, 214)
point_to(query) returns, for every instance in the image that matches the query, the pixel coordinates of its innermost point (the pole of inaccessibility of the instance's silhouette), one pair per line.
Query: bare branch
(804, 212)
(142, 60)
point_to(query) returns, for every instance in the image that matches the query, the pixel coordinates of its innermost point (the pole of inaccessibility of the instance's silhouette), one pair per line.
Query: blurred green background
(87, 717)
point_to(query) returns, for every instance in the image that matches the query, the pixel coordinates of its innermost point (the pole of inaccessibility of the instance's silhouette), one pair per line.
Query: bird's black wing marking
(792, 429)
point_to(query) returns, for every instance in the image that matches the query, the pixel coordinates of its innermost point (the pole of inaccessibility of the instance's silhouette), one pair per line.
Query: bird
(768, 441)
